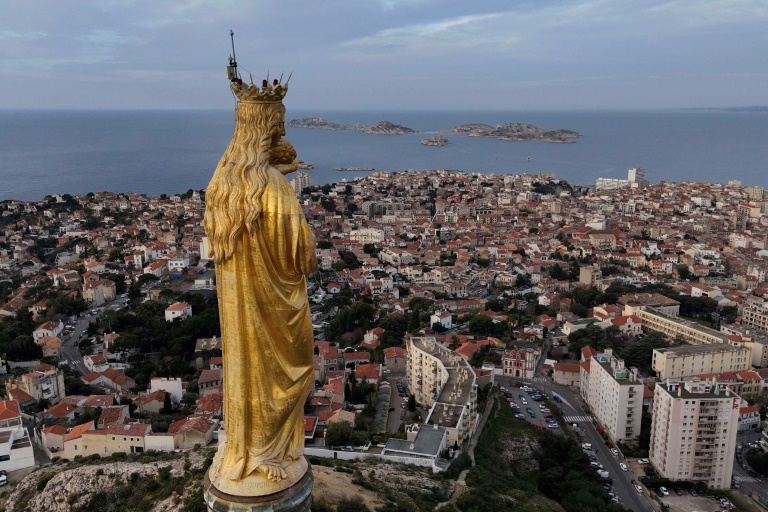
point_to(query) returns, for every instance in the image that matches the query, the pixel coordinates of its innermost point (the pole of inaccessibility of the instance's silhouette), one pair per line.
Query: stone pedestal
(297, 498)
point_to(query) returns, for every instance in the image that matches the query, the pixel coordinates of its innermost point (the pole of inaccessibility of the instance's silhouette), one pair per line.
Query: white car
(643, 461)
(664, 491)
(639, 489)
(614, 452)
(623, 467)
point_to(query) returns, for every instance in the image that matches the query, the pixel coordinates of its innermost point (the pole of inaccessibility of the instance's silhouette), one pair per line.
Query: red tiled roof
(60, 410)
(58, 430)
(78, 431)
(9, 409)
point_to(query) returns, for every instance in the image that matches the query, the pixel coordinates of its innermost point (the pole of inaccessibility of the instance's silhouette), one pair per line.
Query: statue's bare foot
(274, 472)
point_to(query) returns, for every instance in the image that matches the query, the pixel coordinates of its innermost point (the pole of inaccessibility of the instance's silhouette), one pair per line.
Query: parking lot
(688, 503)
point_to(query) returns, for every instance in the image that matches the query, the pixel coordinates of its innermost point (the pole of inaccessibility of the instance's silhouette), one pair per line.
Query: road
(749, 485)
(69, 343)
(572, 412)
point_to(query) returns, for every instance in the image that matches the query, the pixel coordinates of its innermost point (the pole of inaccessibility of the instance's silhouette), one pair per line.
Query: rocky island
(380, 128)
(516, 131)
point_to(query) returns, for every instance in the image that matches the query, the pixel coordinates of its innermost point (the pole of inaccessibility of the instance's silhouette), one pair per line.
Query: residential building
(178, 310)
(693, 434)
(615, 396)
(42, 383)
(444, 382)
(688, 360)
(15, 445)
(674, 327)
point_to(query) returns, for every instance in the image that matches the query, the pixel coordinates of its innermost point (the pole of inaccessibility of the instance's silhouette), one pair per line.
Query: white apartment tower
(300, 182)
(615, 396)
(693, 435)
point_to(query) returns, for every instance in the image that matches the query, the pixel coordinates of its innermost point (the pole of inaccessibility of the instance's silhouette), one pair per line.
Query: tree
(640, 353)
(481, 325)
(338, 433)
(167, 405)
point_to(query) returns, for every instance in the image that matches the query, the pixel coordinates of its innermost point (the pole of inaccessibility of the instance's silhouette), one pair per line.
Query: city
(598, 315)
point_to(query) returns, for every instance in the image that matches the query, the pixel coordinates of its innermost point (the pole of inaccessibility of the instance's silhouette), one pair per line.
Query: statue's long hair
(232, 199)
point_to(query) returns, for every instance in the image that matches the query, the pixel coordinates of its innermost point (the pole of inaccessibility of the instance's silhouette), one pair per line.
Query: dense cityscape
(491, 322)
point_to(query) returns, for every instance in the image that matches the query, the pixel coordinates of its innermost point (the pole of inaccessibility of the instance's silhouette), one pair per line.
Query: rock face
(516, 131)
(380, 128)
(157, 486)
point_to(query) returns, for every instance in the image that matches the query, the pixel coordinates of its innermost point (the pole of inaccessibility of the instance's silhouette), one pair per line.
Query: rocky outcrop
(516, 131)
(163, 484)
(380, 128)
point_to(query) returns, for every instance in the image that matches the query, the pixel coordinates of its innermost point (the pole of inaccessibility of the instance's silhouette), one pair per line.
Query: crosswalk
(577, 419)
(746, 479)
(541, 379)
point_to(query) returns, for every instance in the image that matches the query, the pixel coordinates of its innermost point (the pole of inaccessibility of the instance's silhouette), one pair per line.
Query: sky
(387, 54)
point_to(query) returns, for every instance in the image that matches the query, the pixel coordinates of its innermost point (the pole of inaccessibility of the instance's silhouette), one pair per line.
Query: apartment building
(693, 434)
(614, 394)
(755, 316)
(754, 339)
(674, 327)
(445, 382)
(638, 301)
(684, 361)
(42, 383)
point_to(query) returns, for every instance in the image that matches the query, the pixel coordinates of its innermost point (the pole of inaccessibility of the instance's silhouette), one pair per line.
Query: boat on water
(355, 169)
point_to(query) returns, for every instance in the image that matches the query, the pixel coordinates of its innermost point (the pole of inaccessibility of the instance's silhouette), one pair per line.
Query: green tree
(481, 325)
(167, 405)
(338, 434)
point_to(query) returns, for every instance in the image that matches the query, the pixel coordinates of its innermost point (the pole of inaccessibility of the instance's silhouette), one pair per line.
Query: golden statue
(263, 250)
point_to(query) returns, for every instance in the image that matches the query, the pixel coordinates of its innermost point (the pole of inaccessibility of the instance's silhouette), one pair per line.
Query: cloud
(12, 34)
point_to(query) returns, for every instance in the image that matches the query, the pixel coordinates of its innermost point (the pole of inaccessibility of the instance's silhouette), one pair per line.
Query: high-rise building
(614, 394)
(300, 182)
(693, 434)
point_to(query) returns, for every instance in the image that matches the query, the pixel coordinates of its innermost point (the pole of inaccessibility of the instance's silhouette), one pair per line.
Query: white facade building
(693, 435)
(615, 396)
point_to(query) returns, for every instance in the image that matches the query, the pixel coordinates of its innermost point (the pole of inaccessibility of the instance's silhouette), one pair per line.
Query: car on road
(623, 467)
(614, 452)
(639, 488)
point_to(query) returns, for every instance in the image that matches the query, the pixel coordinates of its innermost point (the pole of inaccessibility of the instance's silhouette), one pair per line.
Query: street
(572, 413)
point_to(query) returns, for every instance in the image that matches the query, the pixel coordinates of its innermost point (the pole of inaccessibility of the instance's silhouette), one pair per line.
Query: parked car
(623, 467)
(639, 488)
(614, 452)
(643, 461)
(664, 491)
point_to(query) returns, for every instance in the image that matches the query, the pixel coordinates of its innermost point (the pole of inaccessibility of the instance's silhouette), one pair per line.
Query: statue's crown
(267, 93)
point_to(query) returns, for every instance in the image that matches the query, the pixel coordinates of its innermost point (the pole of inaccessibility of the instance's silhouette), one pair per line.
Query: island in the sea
(506, 131)
(437, 140)
(380, 128)
(516, 131)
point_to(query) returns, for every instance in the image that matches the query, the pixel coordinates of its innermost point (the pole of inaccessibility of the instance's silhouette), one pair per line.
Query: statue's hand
(288, 168)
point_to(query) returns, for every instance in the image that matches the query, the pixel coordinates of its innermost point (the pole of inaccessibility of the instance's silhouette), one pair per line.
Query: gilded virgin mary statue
(263, 250)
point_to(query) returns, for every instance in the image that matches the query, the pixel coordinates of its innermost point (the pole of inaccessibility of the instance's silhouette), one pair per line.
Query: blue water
(155, 152)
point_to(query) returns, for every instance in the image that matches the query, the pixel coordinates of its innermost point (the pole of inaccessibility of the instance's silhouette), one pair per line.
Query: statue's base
(296, 498)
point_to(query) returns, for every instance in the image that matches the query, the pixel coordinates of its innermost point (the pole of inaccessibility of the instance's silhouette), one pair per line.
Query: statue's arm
(288, 168)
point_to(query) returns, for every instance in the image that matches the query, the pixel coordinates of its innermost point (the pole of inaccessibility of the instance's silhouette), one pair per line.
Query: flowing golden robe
(267, 334)
(266, 328)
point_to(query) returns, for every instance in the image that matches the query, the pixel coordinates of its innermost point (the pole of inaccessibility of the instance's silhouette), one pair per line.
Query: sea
(45, 152)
